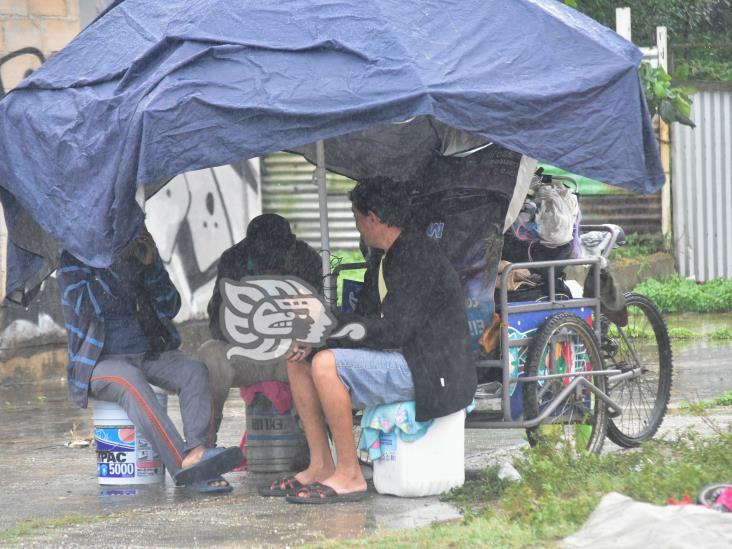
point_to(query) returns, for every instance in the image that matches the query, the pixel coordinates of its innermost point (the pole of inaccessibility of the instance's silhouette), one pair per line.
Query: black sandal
(319, 494)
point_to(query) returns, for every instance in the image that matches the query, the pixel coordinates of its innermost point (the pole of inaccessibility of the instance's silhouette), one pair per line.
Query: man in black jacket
(270, 248)
(416, 347)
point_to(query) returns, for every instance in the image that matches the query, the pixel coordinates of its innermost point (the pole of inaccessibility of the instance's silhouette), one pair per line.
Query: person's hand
(298, 352)
(142, 248)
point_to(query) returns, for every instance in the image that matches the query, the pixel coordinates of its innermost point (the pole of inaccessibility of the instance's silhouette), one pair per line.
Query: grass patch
(637, 332)
(559, 490)
(680, 295)
(682, 333)
(700, 407)
(40, 526)
(723, 334)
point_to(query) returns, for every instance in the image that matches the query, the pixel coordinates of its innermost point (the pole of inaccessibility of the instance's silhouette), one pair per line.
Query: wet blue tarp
(155, 88)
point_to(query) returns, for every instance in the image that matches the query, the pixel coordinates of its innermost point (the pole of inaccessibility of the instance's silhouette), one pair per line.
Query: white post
(140, 196)
(665, 137)
(323, 209)
(622, 23)
(662, 46)
(3, 254)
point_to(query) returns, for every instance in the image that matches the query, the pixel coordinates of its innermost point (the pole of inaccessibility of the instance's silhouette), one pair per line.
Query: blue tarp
(155, 88)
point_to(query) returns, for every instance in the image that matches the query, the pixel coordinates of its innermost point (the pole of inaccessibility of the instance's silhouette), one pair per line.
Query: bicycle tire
(644, 399)
(581, 408)
(709, 494)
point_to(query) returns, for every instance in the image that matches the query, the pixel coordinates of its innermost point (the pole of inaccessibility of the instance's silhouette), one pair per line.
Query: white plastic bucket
(430, 465)
(123, 455)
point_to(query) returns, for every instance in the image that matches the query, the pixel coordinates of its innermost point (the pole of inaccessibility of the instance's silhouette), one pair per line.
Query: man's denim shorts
(374, 377)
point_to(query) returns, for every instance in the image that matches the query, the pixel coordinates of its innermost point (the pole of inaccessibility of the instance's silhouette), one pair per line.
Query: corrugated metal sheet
(289, 190)
(635, 213)
(702, 185)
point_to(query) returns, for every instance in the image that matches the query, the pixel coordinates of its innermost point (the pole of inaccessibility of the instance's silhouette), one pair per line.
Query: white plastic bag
(556, 214)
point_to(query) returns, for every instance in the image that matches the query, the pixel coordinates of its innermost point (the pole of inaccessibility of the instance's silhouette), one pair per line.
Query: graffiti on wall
(196, 217)
(17, 65)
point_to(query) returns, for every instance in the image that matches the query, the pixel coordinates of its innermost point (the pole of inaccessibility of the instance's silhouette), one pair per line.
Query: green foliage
(636, 332)
(41, 526)
(632, 330)
(671, 103)
(723, 334)
(487, 487)
(682, 333)
(698, 31)
(695, 69)
(637, 245)
(679, 295)
(700, 407)
(553, 503)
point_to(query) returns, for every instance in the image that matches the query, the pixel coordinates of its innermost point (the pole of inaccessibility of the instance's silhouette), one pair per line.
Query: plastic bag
(556, 214)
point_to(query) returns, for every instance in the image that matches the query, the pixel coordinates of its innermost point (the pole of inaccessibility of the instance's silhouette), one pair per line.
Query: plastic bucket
(123, 455)
(430, 465)
(274, 440)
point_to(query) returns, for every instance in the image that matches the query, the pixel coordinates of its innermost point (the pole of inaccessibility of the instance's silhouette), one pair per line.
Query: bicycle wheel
(565, 343)
(709, 494)
(642, 347)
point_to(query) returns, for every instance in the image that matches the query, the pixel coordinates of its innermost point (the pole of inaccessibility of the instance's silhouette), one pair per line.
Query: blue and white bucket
(123, 455)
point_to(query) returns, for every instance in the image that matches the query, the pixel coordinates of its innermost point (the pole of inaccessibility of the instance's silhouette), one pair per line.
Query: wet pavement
(42, 479)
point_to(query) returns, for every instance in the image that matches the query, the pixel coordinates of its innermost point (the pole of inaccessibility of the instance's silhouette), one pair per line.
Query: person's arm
(162, 291)
(141, 258)
(81, 289)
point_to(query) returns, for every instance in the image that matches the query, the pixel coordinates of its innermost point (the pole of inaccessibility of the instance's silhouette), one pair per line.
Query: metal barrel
(275, 441)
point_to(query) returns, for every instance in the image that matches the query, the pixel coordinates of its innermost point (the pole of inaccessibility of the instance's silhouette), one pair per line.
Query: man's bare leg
(308, 408)
(336, 403)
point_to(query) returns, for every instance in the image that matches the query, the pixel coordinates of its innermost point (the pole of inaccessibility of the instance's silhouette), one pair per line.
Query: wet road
(42, 479)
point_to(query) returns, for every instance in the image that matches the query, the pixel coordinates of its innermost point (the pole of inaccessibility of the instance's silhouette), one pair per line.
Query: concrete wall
(46, 26)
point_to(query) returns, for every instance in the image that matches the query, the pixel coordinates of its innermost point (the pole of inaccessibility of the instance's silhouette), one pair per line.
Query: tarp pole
(323, 209)
(3, 254)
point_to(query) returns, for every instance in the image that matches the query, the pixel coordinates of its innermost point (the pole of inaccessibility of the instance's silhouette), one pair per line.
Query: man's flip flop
(205, 486)
(283, 487)
(214, 462)
(319, 494)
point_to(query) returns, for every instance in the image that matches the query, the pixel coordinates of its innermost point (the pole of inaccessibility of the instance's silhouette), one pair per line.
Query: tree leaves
(671, 103)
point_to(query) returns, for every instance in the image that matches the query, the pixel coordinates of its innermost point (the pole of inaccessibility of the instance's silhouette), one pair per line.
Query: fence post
(622, 23)
(664, 132)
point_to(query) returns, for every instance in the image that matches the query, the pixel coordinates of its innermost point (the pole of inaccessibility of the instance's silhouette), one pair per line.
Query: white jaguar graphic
(263, 316)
